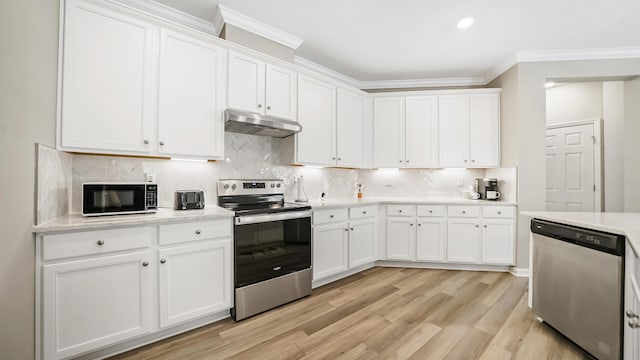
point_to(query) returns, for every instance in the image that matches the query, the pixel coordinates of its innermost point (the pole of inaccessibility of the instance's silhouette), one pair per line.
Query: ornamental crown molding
(224, 15)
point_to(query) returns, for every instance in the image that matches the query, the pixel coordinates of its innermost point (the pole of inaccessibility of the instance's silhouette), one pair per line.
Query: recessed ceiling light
(465, 23)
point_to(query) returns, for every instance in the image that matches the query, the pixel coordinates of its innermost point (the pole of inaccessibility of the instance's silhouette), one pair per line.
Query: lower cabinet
(463, 243)
(431, 239)
(401, 238)
(330, 249)
(497, 241)
(343, 239)
(90, 303)
(195, 280)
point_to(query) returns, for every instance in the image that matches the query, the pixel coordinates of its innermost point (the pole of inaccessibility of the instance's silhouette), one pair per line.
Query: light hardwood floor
(384, 313)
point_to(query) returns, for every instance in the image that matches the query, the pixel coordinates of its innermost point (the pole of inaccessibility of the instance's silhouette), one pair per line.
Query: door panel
(246, 84)
(401, 236)
(330, 250)
(463, 240)
(317, 115)
(570, 168)
(431, 239)
(361, 242)
(388, 132)
(421, 133)
(281, 92)
(484, 130)
(453, 126)
(350, 130)
(497, 242)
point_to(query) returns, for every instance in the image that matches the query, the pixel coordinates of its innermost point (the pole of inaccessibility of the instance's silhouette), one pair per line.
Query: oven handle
(254, 219)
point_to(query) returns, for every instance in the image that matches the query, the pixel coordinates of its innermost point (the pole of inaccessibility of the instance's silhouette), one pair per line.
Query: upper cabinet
(353, 114)
(262, 88)
(133, 86)
(469, 130)
(406, 131)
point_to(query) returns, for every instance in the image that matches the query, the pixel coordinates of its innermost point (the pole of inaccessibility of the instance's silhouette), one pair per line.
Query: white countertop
(334, 203)
(163, 215)
(627, 224)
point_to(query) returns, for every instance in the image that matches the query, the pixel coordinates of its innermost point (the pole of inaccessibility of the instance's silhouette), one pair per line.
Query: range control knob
(233, 187)
(279, 185)
(226, 186)
(273, 185)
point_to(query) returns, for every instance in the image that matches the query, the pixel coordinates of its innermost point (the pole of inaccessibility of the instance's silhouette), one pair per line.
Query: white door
(453, 127)
(350, 129)
(570, 168)
(463, 240)
(95, 302)
(191, 96)
(107, 94)
(498, 237)
(281, 92)
(362, 235)
(401, 238)
(317, 114)
(195, 280)
(431, 239)
(421, 131)
(388, 132)
(246, 83)
(484, 130)
(330, 250)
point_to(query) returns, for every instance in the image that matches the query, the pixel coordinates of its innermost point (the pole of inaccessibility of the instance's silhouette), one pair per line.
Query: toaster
(189, 199)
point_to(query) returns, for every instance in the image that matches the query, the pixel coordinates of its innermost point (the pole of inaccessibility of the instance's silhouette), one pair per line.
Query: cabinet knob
(477, 225)
(161, 143)
(407, 160)
(473, 160)
(410, 224)
(162, 261)
(430, 211)
(100, 242)
(333, 158)
(339, 158)
(259, 106)
(400, 161)
(419, 224)
(145, 263)
(346, 229)
(351, 229)
(630, 314)
(364, 212)
(485, 226)
(146, 141)
(633, 324)
(198, 232)
(464, 212)
(400, 210)
(268, 107)
(331, 216)
(465, 161)
(499, 212)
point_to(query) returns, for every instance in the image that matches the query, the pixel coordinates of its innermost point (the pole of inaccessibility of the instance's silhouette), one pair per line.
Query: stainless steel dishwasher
(578, 284)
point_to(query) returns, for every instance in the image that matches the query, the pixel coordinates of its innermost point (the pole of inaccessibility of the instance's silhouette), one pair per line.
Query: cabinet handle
(351, 229)
(331, 216)
(100, 242)
(477, 226)
(364, 212)
(145, 263)
(485, 226)
(146, 141)
(346, 229)
(633, 324)
(339, 158)
(400, 211)
(333, 158)
(410, 224)
(407, 160)
(430, 211)
(464, 212)
(465, 161)
(198, 232)
(419, 224)
(400, 161)
(268, 107)
(630, 314)
(259, 106)
(162, 261)
(499, 212)
(472, 160)
(161, 143)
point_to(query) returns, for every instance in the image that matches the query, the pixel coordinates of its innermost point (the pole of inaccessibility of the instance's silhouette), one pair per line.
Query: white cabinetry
(421, 132)
(191, 96)
(260, 87)
(421, 238)
(343, 239)
(631, 318)
(133, 85)
(463, 242)
(431, 238)
(352, 110)
(469, 128)
(316, 143)
(388, 132)
(497, 241)
(401, 238)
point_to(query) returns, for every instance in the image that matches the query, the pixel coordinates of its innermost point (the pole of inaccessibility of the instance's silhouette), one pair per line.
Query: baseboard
(443, 266)
(519, 272)
(330, 279)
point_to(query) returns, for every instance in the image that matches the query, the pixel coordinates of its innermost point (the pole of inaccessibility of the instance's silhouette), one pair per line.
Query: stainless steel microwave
(119, 198)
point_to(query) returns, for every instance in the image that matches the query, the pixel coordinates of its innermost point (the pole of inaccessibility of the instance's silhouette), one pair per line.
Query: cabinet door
(484, 125)
(107, 94)
(431, 239)
(191, 96)
(463, 240)
(388, 132)
(330, 250)
(421, 131)
(246, 83)
(497, 241)
(401, 238)
(195, 280)
(281, 92)
(317, 114)
(362, 236)
(453, 127)
(350, 129)
(95, 302)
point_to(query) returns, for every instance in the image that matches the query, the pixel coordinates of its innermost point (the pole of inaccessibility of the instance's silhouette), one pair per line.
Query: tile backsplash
(53, 180)
(248, 156)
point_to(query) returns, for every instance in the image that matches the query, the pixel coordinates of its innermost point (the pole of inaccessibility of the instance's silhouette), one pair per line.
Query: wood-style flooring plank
(383, 313)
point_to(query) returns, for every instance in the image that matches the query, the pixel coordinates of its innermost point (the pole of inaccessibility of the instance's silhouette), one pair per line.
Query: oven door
(271, 245)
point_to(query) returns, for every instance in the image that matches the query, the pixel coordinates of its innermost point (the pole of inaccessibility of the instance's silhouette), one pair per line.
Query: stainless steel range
(272, 245)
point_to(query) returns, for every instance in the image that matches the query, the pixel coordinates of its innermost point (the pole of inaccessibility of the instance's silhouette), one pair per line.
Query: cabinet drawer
(463, 211)
(361, 212)
(327, 216)
(59, 246)
(498, 211)
(401, 210)
(192, 231)
(431, 210)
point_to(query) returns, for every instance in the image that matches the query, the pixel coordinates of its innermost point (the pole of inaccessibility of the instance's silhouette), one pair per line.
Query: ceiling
(379, 40)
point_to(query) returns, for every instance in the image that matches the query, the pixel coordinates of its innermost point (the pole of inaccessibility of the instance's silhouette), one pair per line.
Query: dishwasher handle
(593, 239)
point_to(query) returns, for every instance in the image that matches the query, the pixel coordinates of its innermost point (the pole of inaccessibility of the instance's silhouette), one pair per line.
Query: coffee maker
(487, 188)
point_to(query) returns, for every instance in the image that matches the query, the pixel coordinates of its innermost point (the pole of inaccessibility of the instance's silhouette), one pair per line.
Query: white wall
(28, 73)
(574, 102)
(613, 129)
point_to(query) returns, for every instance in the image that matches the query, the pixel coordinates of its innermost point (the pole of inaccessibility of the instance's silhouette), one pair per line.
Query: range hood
(246, 122)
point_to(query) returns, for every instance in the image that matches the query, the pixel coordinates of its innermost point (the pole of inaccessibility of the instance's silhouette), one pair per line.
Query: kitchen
(522, 104)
